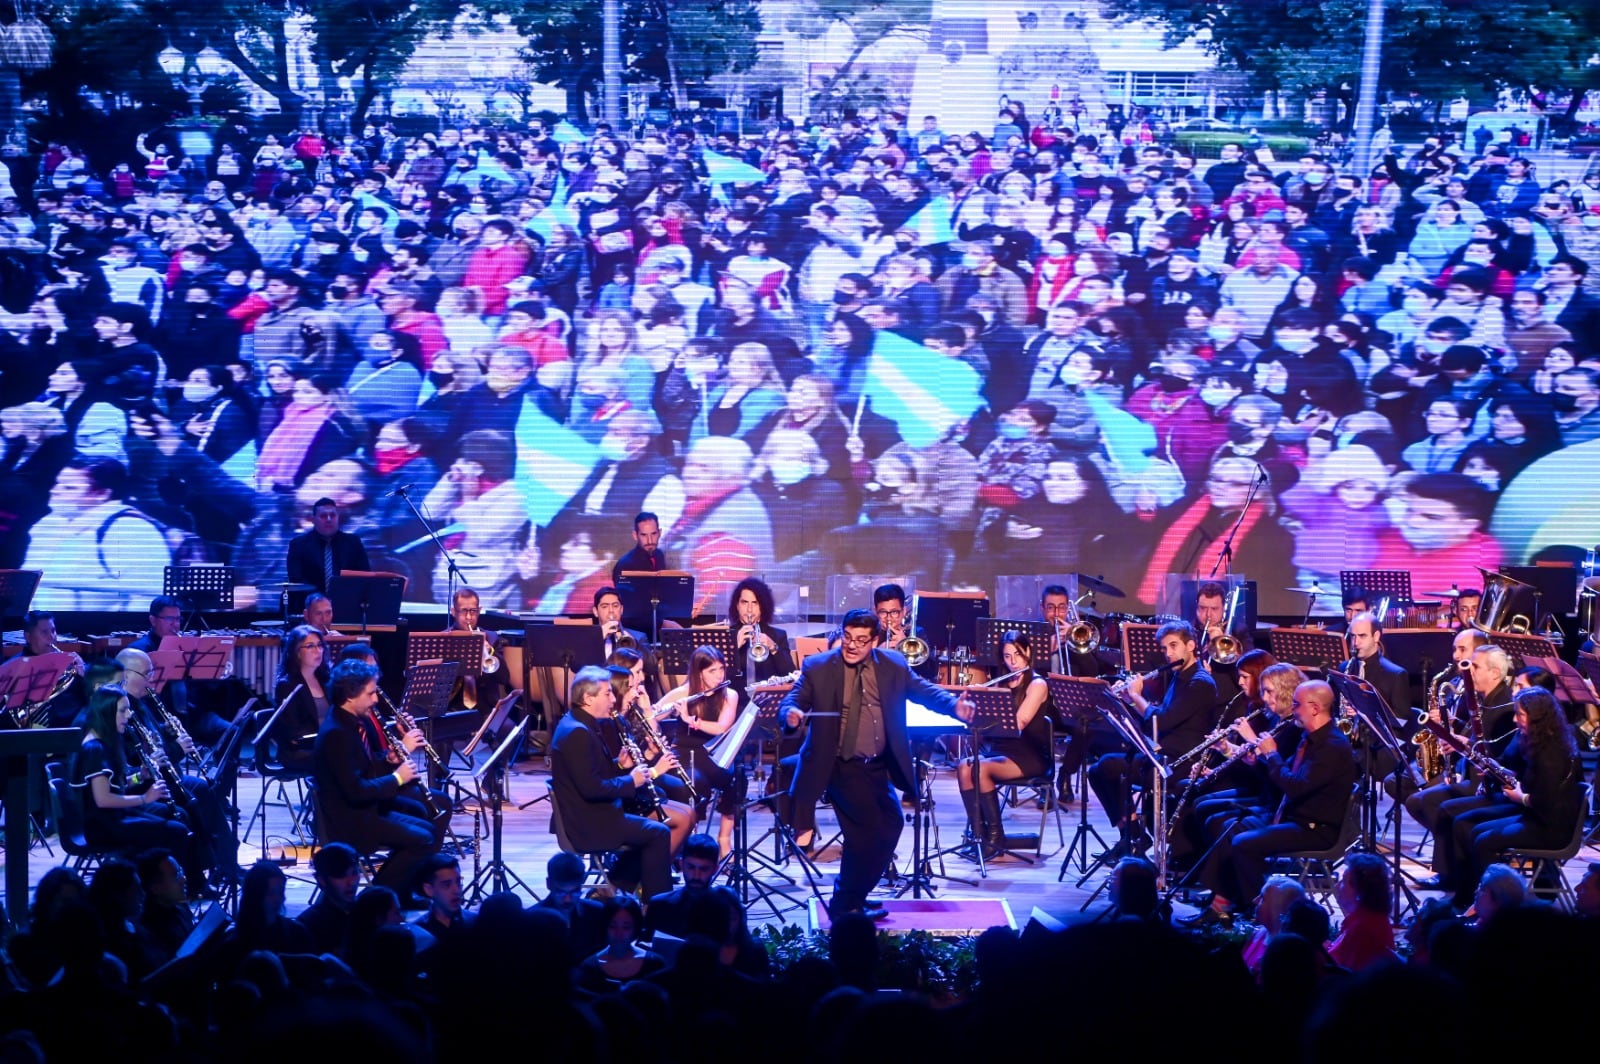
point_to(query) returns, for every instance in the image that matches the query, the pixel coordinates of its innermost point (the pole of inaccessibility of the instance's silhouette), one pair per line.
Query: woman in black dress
(700, 721)
(122, 814)
(1024, 756)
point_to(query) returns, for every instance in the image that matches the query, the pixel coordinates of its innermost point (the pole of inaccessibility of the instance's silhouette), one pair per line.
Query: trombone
(914, 648)
(1077, 633)
(1226, 648)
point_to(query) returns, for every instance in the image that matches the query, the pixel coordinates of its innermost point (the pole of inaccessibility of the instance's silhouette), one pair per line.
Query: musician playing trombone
(705, 706)
(1009, 758)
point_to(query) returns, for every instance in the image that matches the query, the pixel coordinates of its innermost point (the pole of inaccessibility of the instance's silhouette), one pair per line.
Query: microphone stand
(452, 570)
(1226, 553)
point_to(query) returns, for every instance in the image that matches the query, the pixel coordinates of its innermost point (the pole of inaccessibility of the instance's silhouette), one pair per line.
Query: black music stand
(1079, 697)
(257, 742)
(1139, 648)
(427, 694)
(678, 644)
(994, 716)
(992, 630)
(560, 646)
(1524, 646)
(648, 596)
(1410, 647)
(491, 781)
(17, 587)
(951, 617)
(1125, 719)
(371, 600)
(1377, 721)
(1393, 584)
(20, 750)
(1308, 647)
(27, 682)
(200, 588)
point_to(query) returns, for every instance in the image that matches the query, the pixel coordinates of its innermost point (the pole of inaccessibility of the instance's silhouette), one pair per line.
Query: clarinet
(405, 722)
(393, 740)
(155, 758)
(1202, 775)
(649, 793)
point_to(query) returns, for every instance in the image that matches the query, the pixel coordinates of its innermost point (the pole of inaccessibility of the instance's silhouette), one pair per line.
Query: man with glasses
(854, 699)
(1316, 782)
(207, 808)
(166, 619)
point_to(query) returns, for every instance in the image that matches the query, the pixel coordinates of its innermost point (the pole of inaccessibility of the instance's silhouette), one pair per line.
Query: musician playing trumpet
(763, 649)
(1009, 758)
(705, 708)
(485, 688)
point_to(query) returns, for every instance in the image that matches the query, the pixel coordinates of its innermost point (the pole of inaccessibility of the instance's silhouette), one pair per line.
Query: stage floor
(528, 845)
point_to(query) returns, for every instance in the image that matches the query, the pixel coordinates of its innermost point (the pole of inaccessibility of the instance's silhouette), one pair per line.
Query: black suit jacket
(588, 786)
(1393, 683)
(354, 786)
(821, 688)
(781, 663)
(305, 558)
(1318, 791)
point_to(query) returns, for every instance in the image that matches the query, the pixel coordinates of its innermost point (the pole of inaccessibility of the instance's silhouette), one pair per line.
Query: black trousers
(157, 826)
(869, 815)
(1238, 866)
(649, 838)
(1111, 776)
(1424, 805)
(1457, 820)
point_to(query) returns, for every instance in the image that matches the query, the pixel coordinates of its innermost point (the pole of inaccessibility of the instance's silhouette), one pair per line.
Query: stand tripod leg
(1080, 836)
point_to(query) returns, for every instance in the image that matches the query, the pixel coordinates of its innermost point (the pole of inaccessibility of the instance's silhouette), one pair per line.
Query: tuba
(914, 647)
(1499, 599)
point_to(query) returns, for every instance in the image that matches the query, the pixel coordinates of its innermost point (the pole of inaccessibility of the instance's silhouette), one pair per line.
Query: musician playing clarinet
(626, 668)
(1317, 786)
(358, 791)
(855, 699)
(1185, 713)
(590, 792)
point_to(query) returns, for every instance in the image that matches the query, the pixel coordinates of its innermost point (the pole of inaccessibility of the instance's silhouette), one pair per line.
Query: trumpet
(491, 657)
(757, 650)
(914, 648)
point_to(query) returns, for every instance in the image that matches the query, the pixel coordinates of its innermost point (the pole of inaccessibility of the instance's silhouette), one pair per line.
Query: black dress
(1030, 751)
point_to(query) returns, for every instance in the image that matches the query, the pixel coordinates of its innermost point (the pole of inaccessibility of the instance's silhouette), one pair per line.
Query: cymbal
(1451, 594)
(1309, 590)
(1099, 586)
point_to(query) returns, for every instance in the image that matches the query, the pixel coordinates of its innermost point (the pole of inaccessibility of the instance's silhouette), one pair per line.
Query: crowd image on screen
(1118, 350)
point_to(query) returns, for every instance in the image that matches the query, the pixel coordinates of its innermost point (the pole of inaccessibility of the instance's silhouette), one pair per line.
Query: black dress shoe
(1209, 917)
(1431, 883)
(872, 904)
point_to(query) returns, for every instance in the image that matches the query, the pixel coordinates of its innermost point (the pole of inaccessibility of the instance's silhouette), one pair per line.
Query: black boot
(969, 799)
(994, 829)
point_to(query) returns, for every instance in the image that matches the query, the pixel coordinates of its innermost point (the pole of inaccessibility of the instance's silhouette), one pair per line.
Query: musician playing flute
(706, 707)
(1009, 757)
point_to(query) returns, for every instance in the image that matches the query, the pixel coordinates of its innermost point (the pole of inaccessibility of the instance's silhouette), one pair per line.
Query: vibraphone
(256, 652)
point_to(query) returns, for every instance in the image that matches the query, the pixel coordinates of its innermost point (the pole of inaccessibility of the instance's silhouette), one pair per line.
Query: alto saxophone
(1430, 754)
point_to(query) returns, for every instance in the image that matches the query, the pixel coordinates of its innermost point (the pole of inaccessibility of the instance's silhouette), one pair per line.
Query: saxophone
(1430, 754)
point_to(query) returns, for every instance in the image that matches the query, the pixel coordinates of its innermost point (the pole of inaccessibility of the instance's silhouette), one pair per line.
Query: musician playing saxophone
(1316, 785)
(1009, 757)
(1539, 812)
(66, 706)
(1486, 670)
(704, 712)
